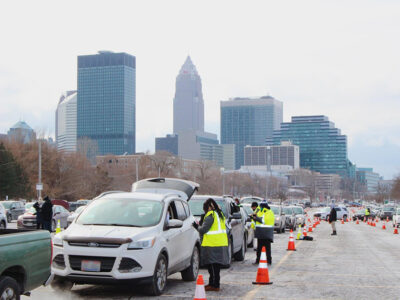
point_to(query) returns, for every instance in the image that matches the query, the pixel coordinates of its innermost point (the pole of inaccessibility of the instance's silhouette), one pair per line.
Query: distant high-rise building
(107, 101)
(21, 132)
(66, 122)
(285, 154)
(322, 147)
(168, 143)
(249, 121)
(368, 178)
(188, 101)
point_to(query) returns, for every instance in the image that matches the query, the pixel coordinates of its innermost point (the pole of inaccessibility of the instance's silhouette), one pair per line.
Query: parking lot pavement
(361, 262)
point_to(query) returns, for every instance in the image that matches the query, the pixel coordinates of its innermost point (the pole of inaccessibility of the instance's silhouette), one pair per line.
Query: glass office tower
(249, 121)
(107, 101)
(322, 147)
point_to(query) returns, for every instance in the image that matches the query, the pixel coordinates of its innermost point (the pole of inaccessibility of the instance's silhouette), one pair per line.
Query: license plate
(90, 265)
(29, 223)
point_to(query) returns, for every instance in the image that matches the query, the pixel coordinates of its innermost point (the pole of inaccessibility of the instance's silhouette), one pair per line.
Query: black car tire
(159, 280)
(61, 284)
(190, 273)
(239, 256)
(9, 287)
(9, 218)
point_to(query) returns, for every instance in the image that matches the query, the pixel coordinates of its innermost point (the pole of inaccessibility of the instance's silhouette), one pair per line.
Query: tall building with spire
(188, 101)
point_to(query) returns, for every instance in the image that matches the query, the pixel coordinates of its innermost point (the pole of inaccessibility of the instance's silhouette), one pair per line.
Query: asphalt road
(361, 262)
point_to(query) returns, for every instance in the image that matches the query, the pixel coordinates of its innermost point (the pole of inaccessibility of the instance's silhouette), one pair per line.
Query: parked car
(250, 200)
(235, 222)
(25, 258)
(396, 218)
(246, 208)
(137, 237)
(28, 219)
(360, 214)
(299, 215)
(62, 203)
(290, 217)
(74, 214)
(280, 218)
(387, 212)
(342, 212)
(3, 218)
(73, 206)
(13, 209)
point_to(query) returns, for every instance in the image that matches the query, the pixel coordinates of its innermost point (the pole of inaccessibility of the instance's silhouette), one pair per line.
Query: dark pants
(46, 225)
(267, 244)
(214, 279)
(39, 223)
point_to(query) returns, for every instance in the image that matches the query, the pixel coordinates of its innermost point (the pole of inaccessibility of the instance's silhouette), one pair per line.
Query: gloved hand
(195, 225)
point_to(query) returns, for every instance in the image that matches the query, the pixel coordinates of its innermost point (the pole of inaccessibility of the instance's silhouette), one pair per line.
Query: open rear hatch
(184, 188)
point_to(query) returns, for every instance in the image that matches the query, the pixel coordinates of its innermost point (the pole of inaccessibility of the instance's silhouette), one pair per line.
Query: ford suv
(137, 237)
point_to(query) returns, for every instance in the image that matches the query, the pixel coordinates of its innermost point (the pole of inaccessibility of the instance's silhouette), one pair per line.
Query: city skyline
(347, 71)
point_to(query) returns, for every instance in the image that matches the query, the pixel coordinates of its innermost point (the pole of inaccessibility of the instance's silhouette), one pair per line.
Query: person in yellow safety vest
(214, 247)
(264, 220)
(367, 213)
(255, 208)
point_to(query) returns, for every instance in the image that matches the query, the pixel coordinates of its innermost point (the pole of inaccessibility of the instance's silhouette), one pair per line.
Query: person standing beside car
(38, 208)
(333, 219)
(264, 220)
(47, 213)
(214, 246)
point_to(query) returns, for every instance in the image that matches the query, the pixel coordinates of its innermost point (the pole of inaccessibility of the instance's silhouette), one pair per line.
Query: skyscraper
(322, 147)
(188, 101)
(66, 122)
(107, 101)
(249, 121)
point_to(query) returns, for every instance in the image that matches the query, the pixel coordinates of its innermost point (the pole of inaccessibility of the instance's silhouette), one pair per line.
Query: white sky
(337, 58)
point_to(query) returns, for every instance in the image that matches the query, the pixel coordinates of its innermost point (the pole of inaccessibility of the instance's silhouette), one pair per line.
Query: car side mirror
(174, 223)
(236, 216)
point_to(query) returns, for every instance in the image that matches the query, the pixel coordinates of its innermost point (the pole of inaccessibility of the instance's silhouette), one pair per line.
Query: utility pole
(39, 186)
(268, 171)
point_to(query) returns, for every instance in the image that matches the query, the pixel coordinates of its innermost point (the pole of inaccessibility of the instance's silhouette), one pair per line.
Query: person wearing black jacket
(333, 219)
(47, 213)
(39, 221)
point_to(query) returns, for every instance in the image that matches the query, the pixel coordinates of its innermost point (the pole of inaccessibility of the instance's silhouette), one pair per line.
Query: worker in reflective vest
(367, 213)
(256, 209)
(214, 246)
(264, 220)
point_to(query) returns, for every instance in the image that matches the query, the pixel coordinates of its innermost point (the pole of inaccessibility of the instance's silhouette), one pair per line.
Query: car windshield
(196, 206)
(31, 210)
(7, 205)
(275, 209)
(287, 210)
(298, 210)
(388, 209)
(122, 212)
(326, 209)
(248, 209)
(249, 200)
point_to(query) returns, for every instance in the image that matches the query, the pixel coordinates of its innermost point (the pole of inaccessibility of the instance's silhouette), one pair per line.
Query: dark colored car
(360, 214)
(235, 222)
(13, 209)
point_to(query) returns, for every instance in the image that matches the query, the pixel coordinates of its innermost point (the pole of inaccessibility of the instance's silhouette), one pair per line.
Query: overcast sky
(337, 58)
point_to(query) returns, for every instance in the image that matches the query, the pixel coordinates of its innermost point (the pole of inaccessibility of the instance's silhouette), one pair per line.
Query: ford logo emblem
(93, 244)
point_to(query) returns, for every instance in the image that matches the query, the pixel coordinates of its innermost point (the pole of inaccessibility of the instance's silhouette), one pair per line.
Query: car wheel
(2, 225)
(159, 280)
(190, 274)
(9, 289)
(239, 256)
(9, 218)
(61, 284)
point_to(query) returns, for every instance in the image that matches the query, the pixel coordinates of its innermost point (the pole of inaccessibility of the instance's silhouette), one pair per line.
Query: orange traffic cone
(357, 222)
(342, 221)
(374, 224)
(305, 231)
(387, 219)
(383, 226)
(262, 272)
(291, 246)
(395, 231)
(309, 228)
(200, 293)
(314, 225)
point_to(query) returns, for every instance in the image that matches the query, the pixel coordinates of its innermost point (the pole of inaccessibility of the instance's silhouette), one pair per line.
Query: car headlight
(142, 244)
(277, 218)
(57, 240)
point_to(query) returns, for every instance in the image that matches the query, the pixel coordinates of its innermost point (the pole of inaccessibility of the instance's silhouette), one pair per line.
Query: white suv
(139, 237)
(396, 217)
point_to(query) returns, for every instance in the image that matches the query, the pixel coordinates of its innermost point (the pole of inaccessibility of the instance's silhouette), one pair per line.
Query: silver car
(299, 215)
(280, 218)
(74, 214)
